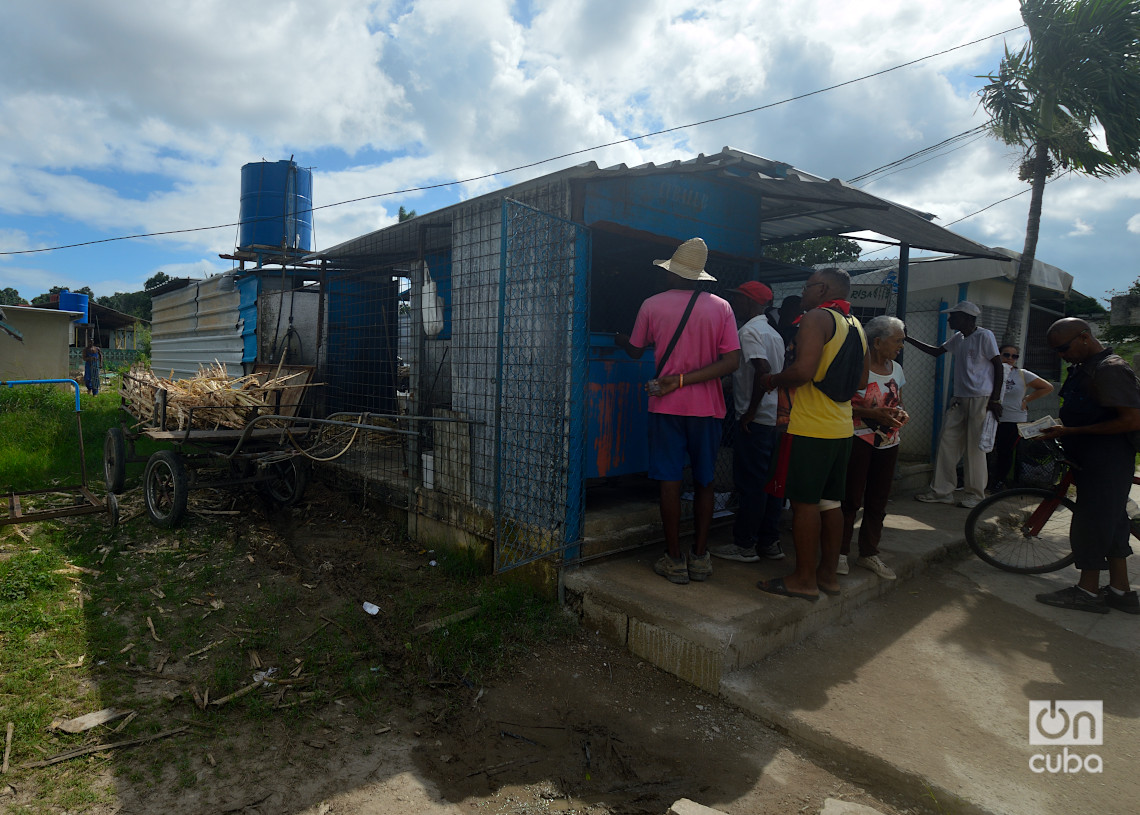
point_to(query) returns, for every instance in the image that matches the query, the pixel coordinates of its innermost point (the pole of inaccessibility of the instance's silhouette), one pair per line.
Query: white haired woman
(878, 415)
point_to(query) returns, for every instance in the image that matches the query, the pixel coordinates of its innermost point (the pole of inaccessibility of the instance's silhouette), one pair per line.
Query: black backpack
(845, 373)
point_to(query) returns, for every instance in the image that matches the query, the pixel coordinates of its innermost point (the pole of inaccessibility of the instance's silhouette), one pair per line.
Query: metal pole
(903, 282)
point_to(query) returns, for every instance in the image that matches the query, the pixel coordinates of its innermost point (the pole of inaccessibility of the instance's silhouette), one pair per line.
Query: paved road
(932, 684)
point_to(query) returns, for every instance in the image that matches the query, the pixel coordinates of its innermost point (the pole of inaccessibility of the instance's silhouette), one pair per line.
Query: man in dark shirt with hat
(1100, 406)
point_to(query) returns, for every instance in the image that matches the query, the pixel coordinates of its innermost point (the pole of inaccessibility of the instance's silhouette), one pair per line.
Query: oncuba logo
(1066, 723)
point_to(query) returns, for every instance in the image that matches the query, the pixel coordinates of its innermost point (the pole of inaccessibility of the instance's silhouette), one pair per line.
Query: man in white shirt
(977, 390)
(756, 531)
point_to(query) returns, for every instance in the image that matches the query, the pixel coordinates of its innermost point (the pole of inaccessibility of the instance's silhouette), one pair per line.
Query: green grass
(225, 581)
(39, 437)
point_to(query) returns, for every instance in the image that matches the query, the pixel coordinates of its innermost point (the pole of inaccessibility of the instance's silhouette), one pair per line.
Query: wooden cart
(262, 453)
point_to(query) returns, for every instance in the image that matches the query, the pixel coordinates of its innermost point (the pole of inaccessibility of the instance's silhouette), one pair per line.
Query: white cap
(966, 307)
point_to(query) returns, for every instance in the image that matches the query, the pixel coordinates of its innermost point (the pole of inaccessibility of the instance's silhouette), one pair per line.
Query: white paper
(1031, 430)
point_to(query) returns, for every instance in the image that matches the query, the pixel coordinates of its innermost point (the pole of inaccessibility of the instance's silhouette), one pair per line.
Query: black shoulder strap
(677, 334)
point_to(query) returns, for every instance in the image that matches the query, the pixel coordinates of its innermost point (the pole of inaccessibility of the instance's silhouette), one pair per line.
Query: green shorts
(817, 469)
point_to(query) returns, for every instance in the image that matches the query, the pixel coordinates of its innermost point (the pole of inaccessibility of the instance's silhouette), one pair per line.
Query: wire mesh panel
(541, 385)
(364, 378)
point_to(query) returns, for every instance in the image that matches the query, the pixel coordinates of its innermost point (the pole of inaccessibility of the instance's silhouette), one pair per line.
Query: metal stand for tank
(84, 502)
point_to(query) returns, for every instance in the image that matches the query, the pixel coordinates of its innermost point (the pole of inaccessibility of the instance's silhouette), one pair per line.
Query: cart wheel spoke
(166, 485)
(287, 480)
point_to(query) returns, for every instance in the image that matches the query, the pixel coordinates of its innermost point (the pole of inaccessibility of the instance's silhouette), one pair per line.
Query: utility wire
(976, 138)
(924, 151)
(540, 162)
(972, 214)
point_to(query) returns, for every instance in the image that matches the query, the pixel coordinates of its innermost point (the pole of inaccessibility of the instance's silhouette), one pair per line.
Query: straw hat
(688, 261)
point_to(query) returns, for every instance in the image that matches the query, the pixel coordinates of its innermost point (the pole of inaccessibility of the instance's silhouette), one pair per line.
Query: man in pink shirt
(686, 403)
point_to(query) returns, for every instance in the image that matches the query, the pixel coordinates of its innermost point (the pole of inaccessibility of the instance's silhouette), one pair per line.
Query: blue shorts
(675, 441)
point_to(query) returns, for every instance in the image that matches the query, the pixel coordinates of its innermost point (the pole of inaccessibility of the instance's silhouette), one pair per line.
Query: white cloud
(136, 117)
(1080, 229)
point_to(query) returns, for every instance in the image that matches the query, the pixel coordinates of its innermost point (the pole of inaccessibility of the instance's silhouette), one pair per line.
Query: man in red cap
(755, 532)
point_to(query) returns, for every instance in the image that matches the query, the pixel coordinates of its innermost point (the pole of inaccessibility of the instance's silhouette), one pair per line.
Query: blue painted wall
(679, 206)
(248, 289)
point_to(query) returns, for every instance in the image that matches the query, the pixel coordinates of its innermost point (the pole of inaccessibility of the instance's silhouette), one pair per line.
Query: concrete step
(704, 631)
(625, 514)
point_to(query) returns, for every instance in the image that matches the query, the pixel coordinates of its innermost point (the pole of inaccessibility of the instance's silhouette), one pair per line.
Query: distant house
(43, 352)
(111, 329)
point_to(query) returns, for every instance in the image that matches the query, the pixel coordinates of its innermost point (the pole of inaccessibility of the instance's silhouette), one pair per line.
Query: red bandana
(842, 306)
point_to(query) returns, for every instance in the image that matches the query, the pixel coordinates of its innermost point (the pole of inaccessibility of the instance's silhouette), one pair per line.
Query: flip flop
(776, 586)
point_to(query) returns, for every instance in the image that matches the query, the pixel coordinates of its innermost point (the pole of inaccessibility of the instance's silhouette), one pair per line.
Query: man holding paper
(1100, 406)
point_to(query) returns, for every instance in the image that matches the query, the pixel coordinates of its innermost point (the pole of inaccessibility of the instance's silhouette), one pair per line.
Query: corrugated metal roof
(794, 204)
(196, 325)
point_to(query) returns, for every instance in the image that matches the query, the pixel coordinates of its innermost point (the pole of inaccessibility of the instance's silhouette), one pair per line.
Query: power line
(976, 138)
(975, 212)
(924, 151)
(535, 163)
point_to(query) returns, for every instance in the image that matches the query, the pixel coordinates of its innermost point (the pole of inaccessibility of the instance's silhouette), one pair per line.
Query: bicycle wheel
(997, 531)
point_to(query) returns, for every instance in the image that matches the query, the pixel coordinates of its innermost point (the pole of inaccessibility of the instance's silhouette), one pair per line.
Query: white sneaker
(843, 567)
(876, 565)
(932, 497)
(970, 501)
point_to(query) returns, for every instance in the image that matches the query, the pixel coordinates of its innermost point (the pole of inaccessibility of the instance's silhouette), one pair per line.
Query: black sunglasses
(1008, 355)
(1060, 349)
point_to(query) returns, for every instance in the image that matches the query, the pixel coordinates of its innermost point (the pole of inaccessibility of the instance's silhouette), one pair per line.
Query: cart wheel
(165, 488)
(287, 480)
(113, 510)
(115, 460)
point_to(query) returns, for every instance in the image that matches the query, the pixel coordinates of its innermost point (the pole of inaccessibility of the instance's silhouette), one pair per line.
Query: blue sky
(135, 117)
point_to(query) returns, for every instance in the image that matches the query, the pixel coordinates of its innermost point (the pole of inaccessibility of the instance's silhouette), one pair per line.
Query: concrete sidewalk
(924, 683)
(703, 631)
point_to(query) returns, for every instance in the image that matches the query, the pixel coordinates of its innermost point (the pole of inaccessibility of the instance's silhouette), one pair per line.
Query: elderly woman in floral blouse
(878, 415)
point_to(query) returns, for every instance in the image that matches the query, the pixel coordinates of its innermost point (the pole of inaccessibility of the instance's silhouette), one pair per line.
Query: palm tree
(1075, 82)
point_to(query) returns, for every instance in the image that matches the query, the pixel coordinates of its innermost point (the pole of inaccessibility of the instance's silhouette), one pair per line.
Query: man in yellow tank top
(819, 432)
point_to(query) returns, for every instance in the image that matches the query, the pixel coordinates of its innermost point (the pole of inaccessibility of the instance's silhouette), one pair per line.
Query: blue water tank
(73, 301)
(276, 206)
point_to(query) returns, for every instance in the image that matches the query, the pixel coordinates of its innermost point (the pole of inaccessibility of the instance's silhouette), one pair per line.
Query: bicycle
(1025, 530)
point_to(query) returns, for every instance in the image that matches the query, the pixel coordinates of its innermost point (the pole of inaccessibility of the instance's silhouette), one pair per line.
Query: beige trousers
(961, 431)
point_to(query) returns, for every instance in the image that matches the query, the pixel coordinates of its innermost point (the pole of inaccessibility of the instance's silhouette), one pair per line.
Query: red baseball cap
(754, 290)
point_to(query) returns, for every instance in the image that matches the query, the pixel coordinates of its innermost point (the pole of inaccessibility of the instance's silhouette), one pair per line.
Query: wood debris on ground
(90, 720)
(7, 747)
(218, 400)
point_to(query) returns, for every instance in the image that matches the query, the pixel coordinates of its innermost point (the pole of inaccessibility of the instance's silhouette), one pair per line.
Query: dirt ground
(583, 729)
(576, 727)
